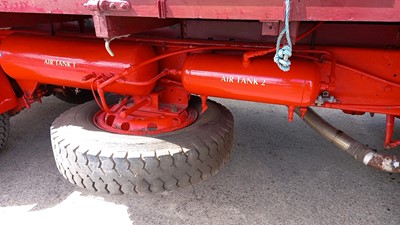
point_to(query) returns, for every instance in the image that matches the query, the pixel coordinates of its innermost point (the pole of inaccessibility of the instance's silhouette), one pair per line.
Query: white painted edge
(368, 157)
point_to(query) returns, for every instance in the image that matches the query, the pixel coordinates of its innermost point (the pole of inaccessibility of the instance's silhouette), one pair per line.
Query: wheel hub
(146, 120)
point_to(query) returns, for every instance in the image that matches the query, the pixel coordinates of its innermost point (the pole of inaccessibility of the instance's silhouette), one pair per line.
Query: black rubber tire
(113, 163)
(70, 96)
(4, 129)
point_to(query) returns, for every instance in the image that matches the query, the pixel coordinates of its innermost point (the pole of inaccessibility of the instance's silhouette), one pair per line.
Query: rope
(283, 54)
(108, 42)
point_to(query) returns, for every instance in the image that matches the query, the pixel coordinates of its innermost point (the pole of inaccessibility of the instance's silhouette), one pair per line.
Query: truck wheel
(114, 163)
(70, 96)
(4, 129)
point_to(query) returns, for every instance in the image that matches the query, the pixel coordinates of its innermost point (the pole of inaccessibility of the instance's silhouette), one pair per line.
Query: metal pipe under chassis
(388, 163)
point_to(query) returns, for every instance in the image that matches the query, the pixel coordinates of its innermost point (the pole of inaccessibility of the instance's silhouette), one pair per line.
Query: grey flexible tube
(388, 163)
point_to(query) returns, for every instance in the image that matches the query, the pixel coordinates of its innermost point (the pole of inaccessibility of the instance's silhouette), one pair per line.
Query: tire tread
(124, 173)
(4, 129)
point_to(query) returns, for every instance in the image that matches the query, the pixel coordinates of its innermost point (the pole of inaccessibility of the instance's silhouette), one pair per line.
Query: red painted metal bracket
(111, 26)
(108, 25)
(108, 5)
(8, 100)
(273, 28)
(162, 9)
(389, 143)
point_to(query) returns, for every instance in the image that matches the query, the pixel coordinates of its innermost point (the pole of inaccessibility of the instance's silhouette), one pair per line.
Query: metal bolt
(112, 5)
(77, 91)
(325, 94)
(174, 108)
(124, 6)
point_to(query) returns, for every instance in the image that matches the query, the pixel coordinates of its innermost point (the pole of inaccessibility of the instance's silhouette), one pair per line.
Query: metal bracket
(108, 5)
(273, 28)
(162, 9)
(270, 28)
(325, 97)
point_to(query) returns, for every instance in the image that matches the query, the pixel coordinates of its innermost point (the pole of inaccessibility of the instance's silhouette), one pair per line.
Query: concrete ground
(280, 173)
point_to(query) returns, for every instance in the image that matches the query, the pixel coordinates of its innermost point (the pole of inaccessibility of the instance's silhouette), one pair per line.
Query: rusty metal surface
(306, 10)
(388, 163)
(360, 152)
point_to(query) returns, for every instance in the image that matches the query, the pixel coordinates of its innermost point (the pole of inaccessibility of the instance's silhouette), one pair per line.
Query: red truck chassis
(143, 61)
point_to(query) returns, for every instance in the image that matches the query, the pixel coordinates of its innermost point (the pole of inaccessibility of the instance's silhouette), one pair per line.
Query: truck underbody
(146, 69)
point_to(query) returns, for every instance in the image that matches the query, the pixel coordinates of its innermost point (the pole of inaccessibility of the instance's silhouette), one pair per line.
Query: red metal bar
(389, 133)
(389, 130)
(308, 32)
(383, 109)
(312, 10)
(101, 84)
(135, 107)
(134, 68)
(26, 19)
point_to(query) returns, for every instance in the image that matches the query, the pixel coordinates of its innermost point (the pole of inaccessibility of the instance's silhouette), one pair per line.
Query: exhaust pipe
(388, 163)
